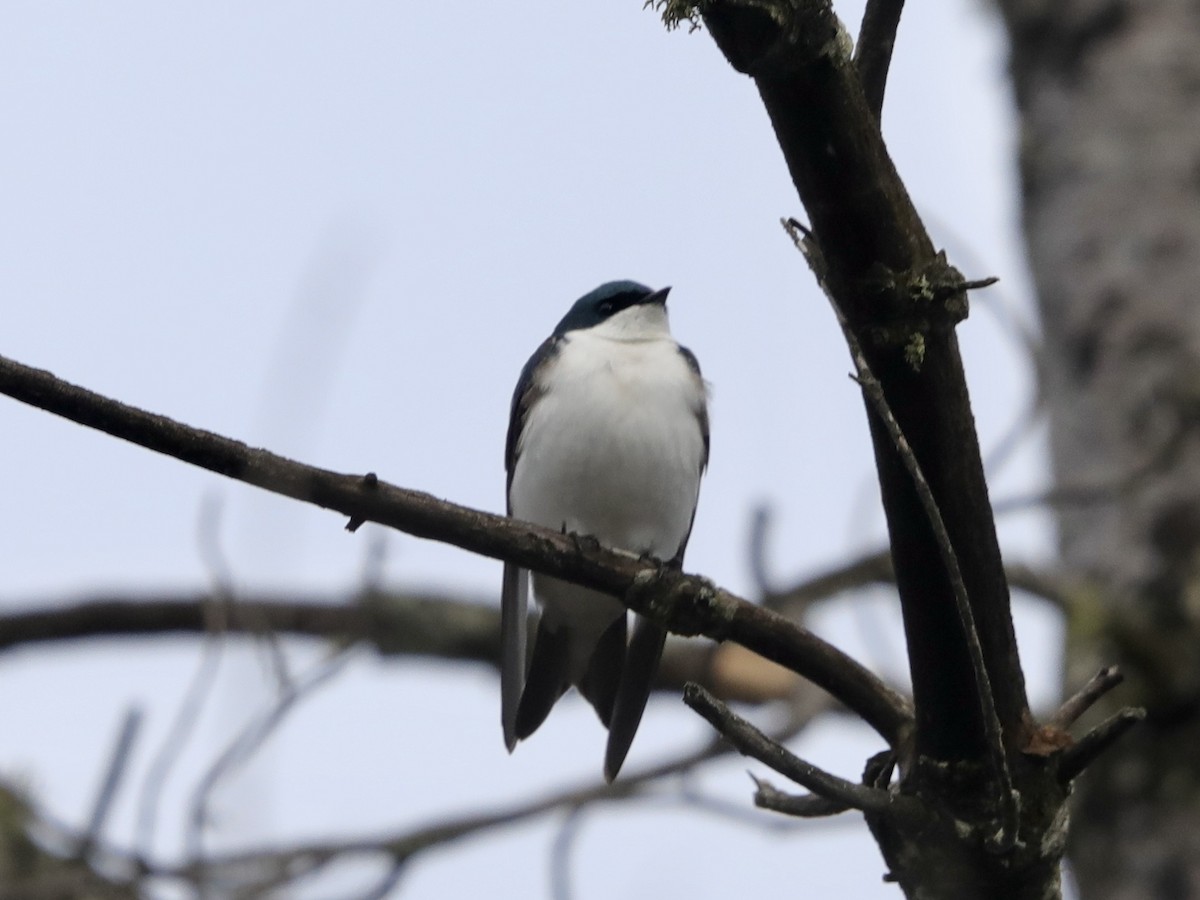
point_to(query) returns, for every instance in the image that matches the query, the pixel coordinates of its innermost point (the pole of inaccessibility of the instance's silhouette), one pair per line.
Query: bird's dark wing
(641, 665)
(547, 679)
(514, 631)
(514, 594)
(702, 420)
(602, 679)
(524, 396)
(702, 413)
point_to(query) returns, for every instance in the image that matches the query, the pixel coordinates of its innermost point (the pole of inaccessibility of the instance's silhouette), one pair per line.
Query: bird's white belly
(615, 449)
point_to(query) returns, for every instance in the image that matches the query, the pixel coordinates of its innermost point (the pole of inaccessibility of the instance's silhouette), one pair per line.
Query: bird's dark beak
(659, 296)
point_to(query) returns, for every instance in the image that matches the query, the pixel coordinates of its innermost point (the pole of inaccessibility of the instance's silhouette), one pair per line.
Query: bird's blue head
(605, 302)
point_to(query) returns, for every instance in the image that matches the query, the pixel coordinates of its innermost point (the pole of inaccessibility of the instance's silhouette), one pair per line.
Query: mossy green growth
(675, 12)
(914, 351)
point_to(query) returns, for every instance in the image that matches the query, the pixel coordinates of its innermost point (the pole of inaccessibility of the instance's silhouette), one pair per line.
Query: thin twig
(220, 574)
(983, 686)
(182, 726)
(875, 568)
(873, 52)
(216, 611)
(803, 806)
(279, 867)
(1083, 700)
(561, 853)
(760, 529)
(750, 741)
(1077, 758)
(258, 871)
(863, 571)
(114, 772)
(384, 887)
(873, 390)
(247, 742)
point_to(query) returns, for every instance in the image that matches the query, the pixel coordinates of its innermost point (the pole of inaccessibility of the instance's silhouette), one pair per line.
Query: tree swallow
(608, 438)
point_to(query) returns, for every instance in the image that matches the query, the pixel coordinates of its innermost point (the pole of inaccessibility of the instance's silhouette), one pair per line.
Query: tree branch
(875, 568)
(986, 709)
(115, 771)
(685, 604)
(873, 52)
(902, 300)
(1077, 758)
(803, 806)
(750, 741)
(1083, 700)
(266, 868)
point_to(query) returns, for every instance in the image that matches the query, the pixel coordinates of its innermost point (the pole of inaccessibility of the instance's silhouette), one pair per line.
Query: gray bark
(1109, 97)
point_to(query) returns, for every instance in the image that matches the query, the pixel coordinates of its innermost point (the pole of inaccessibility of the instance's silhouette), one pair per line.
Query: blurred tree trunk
(1109, 98)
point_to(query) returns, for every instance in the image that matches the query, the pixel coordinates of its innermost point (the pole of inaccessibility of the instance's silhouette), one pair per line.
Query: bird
(607, 439)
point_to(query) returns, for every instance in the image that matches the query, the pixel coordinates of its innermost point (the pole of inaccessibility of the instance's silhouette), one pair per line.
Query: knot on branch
(686, 604)
(963, 843)
(909, 306)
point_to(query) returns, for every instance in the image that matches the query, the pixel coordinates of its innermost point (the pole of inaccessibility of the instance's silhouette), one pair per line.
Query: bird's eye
(605, 308)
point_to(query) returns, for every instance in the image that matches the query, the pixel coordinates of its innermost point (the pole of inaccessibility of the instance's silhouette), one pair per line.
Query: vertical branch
(873, 391)
(873, 52)
(899, 299)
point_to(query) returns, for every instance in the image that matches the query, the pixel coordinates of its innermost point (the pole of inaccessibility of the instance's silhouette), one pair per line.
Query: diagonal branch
(903, 300)
(802, 806)
(749, 740)
(873, 391)
(1077, 758)
(983, 683)
(685, 604)
(1085, 698)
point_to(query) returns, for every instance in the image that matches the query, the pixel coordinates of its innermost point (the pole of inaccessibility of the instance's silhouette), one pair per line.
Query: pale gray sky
(338, 231)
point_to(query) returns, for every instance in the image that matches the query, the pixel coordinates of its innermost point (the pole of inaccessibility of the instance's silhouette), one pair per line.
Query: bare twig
(760, 528)
(871, 568)
(1083, 700)
(273, 867)
(685, 604)
(750, 741)
(804, 806)
(182, 726)
(875, 568)
(873, 52)
(873, 390)
(1077, 758)
(561, 852)
(115, 771)
(260, 870)
(247, 742)
(224, 599)
(384, 887)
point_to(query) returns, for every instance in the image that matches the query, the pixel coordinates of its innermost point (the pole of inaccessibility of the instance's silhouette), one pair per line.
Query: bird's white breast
(613, 447)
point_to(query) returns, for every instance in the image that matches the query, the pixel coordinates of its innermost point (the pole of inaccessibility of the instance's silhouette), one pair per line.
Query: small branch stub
(753, 743)
(370, 482)
(1091, 745)
(1099, 685)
